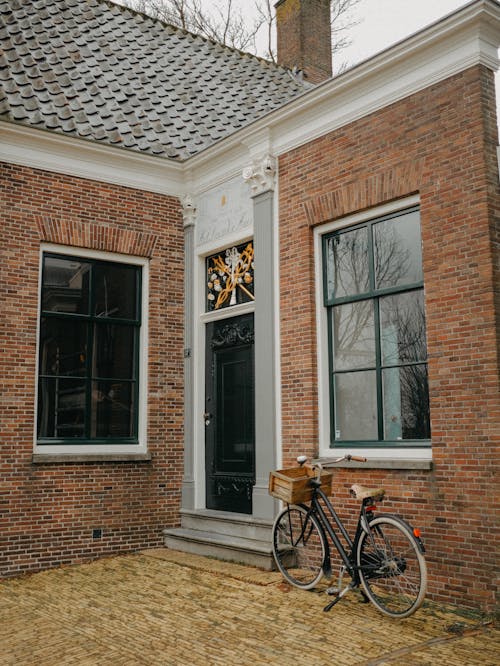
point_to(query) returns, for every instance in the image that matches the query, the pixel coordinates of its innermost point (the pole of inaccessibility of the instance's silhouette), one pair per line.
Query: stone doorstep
(227, 547)
(223, 535)
(225, 522)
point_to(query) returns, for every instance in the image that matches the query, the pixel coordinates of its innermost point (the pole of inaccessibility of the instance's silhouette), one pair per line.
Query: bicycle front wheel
(391, 567)
(299, 546)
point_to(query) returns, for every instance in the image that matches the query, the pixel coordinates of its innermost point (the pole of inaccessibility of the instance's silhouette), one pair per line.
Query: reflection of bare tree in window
(415, 402)
(403, 328)
(403, 341)
(353, 331)
(357, 270)
(411, 333)
(392, 259)
(354, 335)
(348, 263)
(397, 251)
(413, 378)
(349, 275)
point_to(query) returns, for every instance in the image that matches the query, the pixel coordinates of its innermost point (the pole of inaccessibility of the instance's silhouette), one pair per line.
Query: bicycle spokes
(392, 569)
(299, 547)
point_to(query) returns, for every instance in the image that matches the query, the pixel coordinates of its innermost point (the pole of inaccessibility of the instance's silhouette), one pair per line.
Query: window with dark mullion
(89, 351)
(373, 290)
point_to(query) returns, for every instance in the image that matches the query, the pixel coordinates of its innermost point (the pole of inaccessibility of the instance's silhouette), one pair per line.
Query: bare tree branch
(267, 17)
(227, 24)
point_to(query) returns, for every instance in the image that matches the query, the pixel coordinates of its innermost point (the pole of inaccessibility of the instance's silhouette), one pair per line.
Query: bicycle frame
(384, 558)
(348, 556)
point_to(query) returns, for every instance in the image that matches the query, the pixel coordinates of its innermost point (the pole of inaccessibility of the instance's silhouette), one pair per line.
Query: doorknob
(207, 416)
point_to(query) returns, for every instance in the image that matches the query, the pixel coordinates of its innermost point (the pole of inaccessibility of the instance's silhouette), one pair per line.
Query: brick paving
(164, 607)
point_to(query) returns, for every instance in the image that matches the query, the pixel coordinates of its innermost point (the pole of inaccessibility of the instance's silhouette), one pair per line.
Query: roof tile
(93, 69)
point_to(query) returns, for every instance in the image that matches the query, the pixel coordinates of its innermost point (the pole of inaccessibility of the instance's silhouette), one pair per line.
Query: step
(232, 524)
(252, 552)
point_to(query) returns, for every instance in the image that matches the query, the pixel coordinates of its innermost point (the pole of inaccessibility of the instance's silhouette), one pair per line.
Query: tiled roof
(95, 70)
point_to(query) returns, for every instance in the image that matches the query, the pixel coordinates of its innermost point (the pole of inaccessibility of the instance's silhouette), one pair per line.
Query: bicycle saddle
(360, 492)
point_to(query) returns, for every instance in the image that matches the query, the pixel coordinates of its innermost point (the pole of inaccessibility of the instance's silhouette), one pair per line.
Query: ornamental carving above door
(230, 277)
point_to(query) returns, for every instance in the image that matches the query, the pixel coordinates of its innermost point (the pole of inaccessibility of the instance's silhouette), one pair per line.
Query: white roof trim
(468, 37)
(461, 40)
(41, 149)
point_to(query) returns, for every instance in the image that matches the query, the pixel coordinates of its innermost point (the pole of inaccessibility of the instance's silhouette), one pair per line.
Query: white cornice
(86, 159)
(468, 37)
(461, 40)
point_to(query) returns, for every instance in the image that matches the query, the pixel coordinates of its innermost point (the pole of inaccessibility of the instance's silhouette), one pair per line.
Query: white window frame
(420, 453)
(100, 450)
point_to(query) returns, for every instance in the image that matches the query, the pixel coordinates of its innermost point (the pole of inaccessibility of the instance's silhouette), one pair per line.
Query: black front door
(230, 414)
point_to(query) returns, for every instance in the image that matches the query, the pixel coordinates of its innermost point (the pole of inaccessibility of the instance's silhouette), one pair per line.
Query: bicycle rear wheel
(299, 546)
(391, 567)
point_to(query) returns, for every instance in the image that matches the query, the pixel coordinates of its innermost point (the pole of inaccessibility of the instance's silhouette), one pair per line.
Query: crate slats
(292, 485)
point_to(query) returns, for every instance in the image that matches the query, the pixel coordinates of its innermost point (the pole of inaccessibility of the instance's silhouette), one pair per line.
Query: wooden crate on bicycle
(292, 485)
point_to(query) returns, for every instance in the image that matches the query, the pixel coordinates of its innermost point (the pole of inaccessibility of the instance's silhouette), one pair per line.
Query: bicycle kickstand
(338, 591)
(339, 596)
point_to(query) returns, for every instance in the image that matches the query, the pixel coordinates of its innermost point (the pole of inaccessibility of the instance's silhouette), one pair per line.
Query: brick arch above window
(96, 237)
(395, 183)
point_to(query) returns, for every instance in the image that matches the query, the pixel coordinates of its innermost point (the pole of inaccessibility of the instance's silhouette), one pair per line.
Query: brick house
(153, 372)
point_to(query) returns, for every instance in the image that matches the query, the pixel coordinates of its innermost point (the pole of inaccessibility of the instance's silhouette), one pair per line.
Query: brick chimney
(304, 37)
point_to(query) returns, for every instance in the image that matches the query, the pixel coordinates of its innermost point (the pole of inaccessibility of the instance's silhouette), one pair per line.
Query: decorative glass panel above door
(230, 277)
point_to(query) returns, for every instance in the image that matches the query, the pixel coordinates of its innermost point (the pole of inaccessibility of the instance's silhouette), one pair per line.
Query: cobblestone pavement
(164, 607)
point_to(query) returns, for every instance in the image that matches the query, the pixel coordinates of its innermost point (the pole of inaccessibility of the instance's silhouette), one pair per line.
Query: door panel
(229, 415)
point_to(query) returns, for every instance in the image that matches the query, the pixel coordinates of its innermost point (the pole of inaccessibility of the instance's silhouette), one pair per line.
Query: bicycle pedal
(332, 590)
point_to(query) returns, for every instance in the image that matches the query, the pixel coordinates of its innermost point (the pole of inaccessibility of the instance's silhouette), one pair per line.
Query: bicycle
(384, 559)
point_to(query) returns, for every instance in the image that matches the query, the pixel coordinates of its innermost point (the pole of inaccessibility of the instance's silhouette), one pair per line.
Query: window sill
(42, 458)
(379, 463)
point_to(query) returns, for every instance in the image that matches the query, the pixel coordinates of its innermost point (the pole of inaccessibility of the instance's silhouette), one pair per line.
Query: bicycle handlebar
(303, 459)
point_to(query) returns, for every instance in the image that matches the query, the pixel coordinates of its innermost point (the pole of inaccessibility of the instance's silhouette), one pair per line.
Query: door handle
(207, 416)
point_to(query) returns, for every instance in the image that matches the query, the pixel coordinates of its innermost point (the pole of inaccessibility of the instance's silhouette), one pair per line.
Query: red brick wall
(48, 511)
(440, 143)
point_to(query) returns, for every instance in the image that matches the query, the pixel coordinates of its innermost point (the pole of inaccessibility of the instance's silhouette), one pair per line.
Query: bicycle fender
(416, 536)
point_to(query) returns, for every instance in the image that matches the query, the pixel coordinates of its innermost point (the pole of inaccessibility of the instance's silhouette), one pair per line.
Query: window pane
(61, 408)
(353, 335)
(63, 347)
(113, 409)
(347, 264)
(398, 251)
(114, 351)
(406, 403)
(65, 285)
(356, 406)
(402, 324)
(115, 291)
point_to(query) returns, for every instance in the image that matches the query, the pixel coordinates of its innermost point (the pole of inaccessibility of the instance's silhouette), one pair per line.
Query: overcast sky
(385, 22)
(381, 24)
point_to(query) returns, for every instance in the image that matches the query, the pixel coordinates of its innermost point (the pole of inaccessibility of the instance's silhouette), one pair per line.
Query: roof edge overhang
(50, 151)
(465, 38)
(468, 37)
